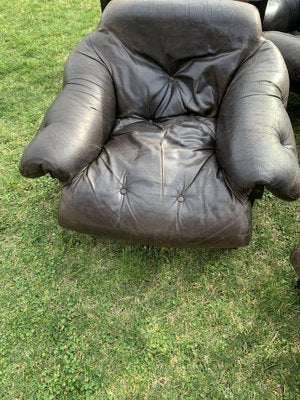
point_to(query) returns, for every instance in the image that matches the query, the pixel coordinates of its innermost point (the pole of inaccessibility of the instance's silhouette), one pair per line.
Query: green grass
(86, 318)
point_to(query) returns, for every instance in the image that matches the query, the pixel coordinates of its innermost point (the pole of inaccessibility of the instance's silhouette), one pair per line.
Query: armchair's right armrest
(79, 121)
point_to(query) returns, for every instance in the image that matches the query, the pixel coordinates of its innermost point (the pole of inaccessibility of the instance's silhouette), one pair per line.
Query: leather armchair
(171, 116)
(282, 26)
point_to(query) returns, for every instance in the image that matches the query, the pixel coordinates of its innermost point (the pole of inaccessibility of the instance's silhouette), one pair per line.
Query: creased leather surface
(259, 148)
(156, 161)
(159, 182)
(78, 122)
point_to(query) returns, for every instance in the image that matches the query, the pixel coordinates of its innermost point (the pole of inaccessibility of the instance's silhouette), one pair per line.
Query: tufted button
(171, 79)
(181, 199)
(123, 191)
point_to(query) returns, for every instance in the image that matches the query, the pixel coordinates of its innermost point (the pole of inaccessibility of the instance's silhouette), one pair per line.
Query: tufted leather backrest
(170, 59)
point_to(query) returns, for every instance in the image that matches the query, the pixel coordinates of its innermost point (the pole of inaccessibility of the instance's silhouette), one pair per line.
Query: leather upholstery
(282, 23)
(171, 115)
(104, 4)
(282, 15)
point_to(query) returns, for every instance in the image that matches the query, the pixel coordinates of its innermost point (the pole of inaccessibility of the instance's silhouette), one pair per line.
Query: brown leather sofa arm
(255, 143)
(79, 121)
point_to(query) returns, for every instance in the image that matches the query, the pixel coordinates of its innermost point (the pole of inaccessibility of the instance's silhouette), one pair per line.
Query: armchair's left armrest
(255, 144)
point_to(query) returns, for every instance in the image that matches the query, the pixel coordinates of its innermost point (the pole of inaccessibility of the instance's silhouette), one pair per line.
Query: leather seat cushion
(158, 182)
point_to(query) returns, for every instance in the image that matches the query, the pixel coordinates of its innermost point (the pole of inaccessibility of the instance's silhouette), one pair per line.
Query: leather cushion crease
(171, 115)
(282, 26)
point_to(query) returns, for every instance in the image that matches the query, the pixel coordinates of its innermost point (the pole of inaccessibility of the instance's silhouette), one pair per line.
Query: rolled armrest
(79, 121)
(255, 143)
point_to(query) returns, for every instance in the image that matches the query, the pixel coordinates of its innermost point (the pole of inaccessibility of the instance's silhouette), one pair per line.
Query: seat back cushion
(175, 57)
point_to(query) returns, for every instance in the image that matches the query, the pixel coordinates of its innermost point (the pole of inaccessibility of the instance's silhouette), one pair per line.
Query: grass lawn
(87, 318)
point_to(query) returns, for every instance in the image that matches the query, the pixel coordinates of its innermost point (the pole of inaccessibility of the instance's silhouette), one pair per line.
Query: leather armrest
(255, 144)
(79, 121)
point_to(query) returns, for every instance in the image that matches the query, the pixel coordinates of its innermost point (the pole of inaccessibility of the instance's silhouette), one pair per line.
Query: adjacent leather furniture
(104, 4)
(171, 116)
(260, 4)
(295, 261)
(282, 23)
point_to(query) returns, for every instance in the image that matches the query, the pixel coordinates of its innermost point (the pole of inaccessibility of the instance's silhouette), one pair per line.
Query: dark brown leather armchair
(282, 23)
(171, 116)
